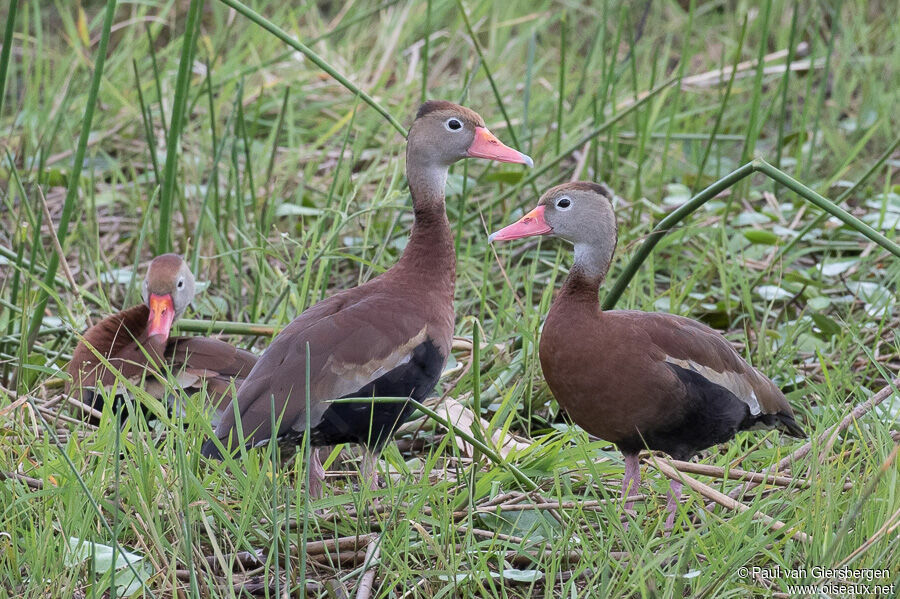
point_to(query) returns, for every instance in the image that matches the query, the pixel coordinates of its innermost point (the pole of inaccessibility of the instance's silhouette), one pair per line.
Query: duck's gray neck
(592, 262)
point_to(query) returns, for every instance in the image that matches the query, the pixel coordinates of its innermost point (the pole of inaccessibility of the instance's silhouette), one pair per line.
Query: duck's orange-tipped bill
(486, 145)
(162, 315)
(529, 225)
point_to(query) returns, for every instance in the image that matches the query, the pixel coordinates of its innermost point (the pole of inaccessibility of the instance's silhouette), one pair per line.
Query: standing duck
(641, 380)
(389, 337)
(136, 342)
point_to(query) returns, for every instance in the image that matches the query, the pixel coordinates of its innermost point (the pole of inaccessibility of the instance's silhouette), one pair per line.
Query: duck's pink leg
(632, 480)
(316, 474)
(672, 504)
(369, 469)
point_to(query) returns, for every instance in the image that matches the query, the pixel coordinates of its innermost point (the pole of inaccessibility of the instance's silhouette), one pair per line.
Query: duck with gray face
(168, 289)
(389, 337)
(137, 344)
(641, 380)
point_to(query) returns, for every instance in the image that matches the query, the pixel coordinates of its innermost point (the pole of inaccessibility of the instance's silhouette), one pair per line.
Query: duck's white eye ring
(453, 124)
(563, 203)
(180, 283)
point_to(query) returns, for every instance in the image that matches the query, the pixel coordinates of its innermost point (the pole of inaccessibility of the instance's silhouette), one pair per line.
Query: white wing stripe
(732, 381)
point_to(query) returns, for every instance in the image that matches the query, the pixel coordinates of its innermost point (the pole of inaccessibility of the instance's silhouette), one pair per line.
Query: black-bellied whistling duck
(638, 379)
(136, 342)
(387, 338)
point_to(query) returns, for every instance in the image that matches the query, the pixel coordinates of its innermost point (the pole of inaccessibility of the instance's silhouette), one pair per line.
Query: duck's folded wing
(120, 340)
(209, 357)
(696, 347)
(349, 347)
(210, 364)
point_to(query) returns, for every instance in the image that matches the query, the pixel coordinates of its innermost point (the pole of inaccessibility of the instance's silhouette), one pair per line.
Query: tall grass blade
(156, 80)
(753, 127)
(148, 125)
(487, 72)
(561, 85)
(825, 84)
(721, 113)
(173, 141)
(7, 48)
(425, 51)
(785, 85)
(75, 178)
(315, 58)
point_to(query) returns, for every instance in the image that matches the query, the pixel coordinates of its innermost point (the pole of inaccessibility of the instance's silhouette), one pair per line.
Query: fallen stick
(83, 409)
(254, 585)
(722, 75)
(857, 413)
(490, 507)
(489, 534)
(593, 505)
(738, 474)
(51, 415)
(340, 544)
(14, 405)
(552, 509)
(48, 220)
(33, 483)
(721, 498)
(344, 559)
(246, 560)
(503, 498)
(23, 402)
(373, 552)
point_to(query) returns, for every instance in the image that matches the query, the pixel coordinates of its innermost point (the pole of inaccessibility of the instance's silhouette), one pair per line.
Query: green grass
(289, 185)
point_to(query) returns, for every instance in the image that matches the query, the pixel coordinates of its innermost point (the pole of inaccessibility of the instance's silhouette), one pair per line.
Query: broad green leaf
(818, 303)
(828, 326)
(117, 276)
(455, 184)
(127, 583)
(523, 575)
(761, 237)
(750, 218)
(676, 194)
(510, 177)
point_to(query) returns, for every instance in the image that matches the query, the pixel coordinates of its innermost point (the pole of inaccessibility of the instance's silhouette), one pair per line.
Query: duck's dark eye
(563, 203)
(454, 124)
(180, 283)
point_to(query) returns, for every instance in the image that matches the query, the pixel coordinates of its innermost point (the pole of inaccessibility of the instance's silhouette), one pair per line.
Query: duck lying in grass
(135, 344)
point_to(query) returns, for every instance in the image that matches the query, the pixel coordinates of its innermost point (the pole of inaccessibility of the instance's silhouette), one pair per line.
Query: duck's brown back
(194, 362)
(642, 379)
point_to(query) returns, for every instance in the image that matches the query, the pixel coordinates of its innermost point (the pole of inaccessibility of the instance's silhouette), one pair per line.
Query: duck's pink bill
(486, 145)
(529, 225)
(162, 315)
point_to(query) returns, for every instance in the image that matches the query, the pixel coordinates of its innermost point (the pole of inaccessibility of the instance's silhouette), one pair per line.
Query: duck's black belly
(373, 423)
(713, 415)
